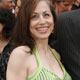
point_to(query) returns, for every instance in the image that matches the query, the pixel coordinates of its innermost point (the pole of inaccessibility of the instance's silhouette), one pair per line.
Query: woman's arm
(17, 69)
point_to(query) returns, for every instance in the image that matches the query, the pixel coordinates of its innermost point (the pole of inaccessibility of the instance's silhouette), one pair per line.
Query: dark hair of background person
(21, 33)
(8, 19)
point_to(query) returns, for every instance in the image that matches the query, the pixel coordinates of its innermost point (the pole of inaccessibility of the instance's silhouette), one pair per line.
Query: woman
(33, 59)
(7, 22)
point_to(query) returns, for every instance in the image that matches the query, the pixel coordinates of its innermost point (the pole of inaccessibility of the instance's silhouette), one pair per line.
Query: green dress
(44, 74)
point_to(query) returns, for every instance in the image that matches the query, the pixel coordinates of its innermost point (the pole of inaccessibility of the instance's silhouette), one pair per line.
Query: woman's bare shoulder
(19, 60)
(19, 55)
(21, 48)
(21, 51)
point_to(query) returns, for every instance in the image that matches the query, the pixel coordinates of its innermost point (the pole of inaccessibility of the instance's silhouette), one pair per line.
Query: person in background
(8, 4)
(76, 4)
(17, 7)
(32, 57)
(62, 5)
(7, 22)
(67, 41)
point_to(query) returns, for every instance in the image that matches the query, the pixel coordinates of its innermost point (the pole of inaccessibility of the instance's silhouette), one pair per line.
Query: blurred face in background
(65, 6)
(78, 1)
(8, 4)
(17, 7)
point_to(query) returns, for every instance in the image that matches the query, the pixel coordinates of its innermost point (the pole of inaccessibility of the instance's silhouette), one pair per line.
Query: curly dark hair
(8, 19)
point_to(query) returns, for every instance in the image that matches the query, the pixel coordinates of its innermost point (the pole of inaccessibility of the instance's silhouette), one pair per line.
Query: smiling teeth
(40, 29)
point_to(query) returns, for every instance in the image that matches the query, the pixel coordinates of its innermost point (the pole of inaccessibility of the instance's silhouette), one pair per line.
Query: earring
(52, 31)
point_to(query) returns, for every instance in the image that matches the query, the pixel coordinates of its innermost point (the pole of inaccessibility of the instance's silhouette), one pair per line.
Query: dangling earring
(52, 31)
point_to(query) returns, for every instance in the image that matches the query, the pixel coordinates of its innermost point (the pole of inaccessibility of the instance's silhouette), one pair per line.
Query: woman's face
(41, 23)
(1, 27)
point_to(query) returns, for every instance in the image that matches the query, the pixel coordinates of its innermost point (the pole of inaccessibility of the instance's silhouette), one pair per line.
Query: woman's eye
(34, 16)
(46, 14)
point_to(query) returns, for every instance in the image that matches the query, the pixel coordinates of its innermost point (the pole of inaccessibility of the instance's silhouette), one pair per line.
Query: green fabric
(43, 73)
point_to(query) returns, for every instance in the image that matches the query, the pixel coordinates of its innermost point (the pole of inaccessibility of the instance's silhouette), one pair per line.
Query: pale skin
(22, 64)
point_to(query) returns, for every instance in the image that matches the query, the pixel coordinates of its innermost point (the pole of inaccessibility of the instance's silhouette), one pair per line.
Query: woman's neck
(42, 46)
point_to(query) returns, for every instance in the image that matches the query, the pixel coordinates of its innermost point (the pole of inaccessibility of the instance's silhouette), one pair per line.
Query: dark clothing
(68, 41)
(75, 7)
(4, 57)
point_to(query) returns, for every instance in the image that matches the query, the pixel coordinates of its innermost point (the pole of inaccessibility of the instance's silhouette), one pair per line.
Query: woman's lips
(42, 29)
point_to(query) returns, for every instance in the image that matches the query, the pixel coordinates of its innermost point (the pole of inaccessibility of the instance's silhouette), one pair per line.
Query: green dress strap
(39, 65)
(42, 73)
(66, 75)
